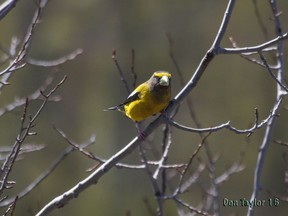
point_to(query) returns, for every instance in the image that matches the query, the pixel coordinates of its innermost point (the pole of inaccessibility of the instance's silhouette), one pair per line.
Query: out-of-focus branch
(25, 148)
(133, 72)
(56, 62)
(34, 96)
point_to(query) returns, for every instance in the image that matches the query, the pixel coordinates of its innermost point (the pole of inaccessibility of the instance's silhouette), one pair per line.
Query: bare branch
(272, 74)
(228, 126)
(18, 61)
(6, 7)
(155, 186)
(191, 208)
(46, 173)
(24, 132)
(248, 57)
(270, 125)
(256, 48)
(163, 159)
(75, 146)
(183, 174)
(10, 210)
(120, 71)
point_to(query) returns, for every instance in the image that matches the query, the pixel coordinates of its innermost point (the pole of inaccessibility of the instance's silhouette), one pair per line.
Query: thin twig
(253, 49)
(134, 74)
(76, 146)
(247, 56)
(24, 132)
(155, 186)
(166, 146)
(191, 208)
(10, 160)
(197, 122)
(10, 210)
(18, 61)
(257, 125)
(46, 173)
(189, 163)
(120, 71)
(271, 72)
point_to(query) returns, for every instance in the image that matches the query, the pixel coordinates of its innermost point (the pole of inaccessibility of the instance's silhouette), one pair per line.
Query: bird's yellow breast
(148, 104)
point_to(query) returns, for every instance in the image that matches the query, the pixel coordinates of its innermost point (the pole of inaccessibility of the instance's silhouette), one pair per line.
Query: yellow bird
(149, 98)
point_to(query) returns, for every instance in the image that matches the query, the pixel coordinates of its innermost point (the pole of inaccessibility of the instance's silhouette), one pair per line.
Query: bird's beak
(164, 81)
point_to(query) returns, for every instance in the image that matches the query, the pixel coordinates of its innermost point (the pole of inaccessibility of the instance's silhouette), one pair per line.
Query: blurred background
(230, 89)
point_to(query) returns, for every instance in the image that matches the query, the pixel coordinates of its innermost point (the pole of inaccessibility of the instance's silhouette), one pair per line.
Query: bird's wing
(135, 95)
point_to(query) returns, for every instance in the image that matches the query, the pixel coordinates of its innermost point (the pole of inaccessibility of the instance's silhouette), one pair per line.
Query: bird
(149, 98)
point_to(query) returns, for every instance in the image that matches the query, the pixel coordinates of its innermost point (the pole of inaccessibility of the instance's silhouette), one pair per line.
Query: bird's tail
(113, 108)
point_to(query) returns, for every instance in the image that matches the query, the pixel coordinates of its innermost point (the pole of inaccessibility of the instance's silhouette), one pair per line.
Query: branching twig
(10, 210)
(270, 125)
(25, 131)
(167, 142)
(215, 49)
(208, 152)
(155, 186)
(253, 49)
(10, 160)
(271, 72)
(17, 63)
(47, 172)
(76, 146)
(118, 165)
(228, 125)
(191, 208)
(184, 172)
(247, 56)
